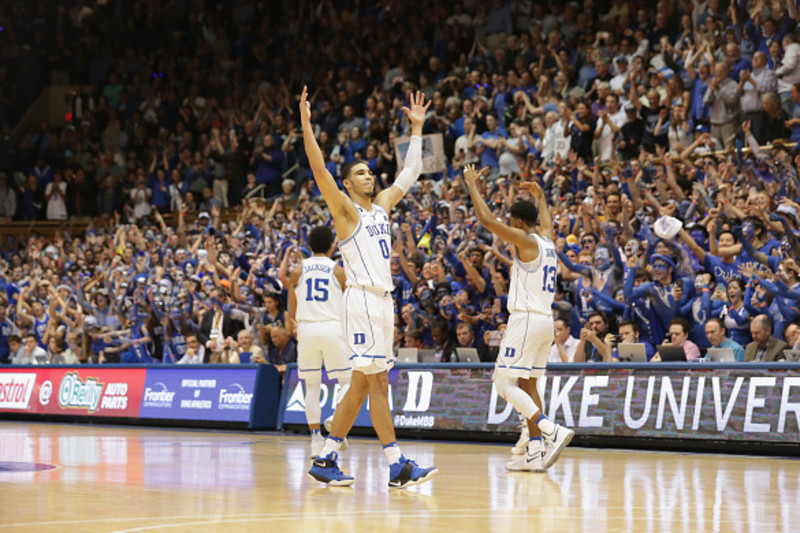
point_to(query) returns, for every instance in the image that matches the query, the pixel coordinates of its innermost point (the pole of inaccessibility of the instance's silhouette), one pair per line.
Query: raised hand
(305, 106)
(712, 225)
(747, 270)
(677, 292)
(418, 108)
(719, 294)
(533, 188)
(588, 335)
(746, 127)
(471, 175)
(627, 206)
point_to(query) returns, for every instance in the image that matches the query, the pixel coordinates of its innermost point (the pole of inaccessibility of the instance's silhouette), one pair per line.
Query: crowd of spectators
(647, 126)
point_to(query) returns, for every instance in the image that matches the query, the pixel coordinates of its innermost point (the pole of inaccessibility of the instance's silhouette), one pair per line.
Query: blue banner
(225, 394)
(294, 398)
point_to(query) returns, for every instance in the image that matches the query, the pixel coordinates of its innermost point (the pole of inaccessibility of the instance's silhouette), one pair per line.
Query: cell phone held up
(494, 338)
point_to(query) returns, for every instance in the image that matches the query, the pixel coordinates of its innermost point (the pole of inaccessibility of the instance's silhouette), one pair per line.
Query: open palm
(418, 108)
(471, 175)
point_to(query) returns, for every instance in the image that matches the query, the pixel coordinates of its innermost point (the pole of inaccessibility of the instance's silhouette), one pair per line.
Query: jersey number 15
(319, 291)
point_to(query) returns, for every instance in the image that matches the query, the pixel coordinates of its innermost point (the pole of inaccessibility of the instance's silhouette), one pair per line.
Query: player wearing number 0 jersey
(529, 333)
(368, 308)
(367, 251)
(361, 220)
(315, 303)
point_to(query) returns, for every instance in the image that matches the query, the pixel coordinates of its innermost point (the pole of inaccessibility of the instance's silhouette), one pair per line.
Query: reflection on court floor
(104, 478)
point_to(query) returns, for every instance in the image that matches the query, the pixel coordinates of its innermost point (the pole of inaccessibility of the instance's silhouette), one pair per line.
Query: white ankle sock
(546, 425)
(332, 444)
(393, 453)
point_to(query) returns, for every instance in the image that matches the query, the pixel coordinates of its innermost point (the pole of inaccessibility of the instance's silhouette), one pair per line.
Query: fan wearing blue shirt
(489, 142)
(723, 268)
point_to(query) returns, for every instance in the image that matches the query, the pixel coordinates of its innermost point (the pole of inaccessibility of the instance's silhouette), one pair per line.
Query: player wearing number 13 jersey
(532, 284)
(529, 333)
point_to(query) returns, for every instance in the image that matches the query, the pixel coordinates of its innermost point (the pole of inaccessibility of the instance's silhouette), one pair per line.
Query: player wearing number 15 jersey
(315, 303)
(529, 333)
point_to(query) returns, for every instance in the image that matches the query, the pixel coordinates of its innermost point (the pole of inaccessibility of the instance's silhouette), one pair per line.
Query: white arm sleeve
(412, 165)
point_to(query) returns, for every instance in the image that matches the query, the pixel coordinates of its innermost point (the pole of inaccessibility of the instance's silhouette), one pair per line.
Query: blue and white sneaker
(325, 470)
(407, 473)
(555, 442)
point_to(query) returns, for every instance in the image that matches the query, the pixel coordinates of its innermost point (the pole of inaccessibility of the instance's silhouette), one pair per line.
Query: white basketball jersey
(367, 252)
(318, 293)
(533, 284)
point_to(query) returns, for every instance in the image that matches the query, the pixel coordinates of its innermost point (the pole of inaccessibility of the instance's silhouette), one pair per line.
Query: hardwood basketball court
(105, 478)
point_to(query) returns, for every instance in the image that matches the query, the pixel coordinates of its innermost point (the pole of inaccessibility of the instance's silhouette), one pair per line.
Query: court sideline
(104, 478)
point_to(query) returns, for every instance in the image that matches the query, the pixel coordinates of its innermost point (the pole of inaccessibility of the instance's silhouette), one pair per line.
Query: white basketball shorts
(321, 343)
(525, 346)
(369, 329)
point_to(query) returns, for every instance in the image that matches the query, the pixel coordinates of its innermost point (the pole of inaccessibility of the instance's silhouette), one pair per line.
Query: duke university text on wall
(692, 403)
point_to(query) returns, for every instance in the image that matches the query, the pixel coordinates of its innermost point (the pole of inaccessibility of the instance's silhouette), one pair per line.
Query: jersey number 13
(549, 278)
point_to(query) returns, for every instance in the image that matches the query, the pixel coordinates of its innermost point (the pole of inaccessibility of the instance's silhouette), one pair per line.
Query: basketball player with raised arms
(362, 225)
(529, 333)
(315, 304)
